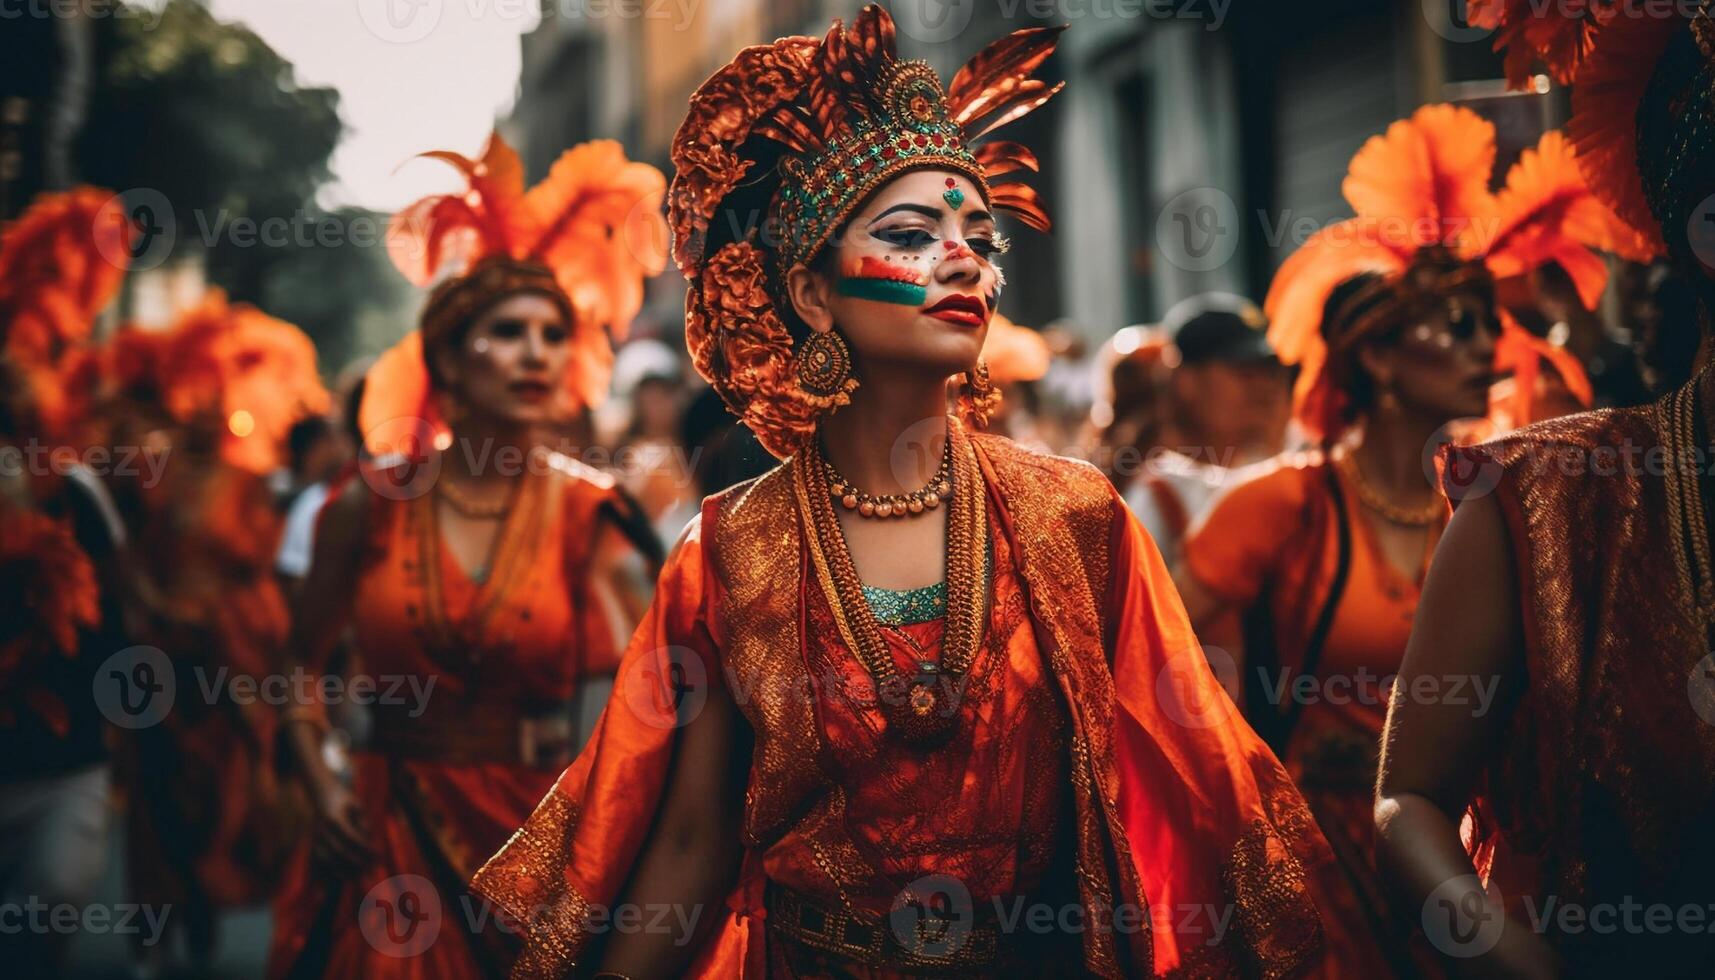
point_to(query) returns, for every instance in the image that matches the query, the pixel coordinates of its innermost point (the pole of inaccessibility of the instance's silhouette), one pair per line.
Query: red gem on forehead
(951, 182)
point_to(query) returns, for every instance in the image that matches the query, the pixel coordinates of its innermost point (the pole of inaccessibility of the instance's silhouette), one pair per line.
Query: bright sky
(412, 75)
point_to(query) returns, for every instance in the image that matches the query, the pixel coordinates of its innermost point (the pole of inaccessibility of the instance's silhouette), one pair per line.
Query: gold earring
(825, 366)
(979, 399)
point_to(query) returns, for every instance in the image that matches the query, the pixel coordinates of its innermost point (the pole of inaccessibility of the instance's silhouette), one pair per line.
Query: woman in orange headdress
(198, 413)
(1391, 317)
(916, 701)
(471, 569)
(1576, 576)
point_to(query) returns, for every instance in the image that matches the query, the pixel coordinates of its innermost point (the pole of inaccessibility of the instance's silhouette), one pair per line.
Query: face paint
(958, 250)
(884, 282)
(953, 196)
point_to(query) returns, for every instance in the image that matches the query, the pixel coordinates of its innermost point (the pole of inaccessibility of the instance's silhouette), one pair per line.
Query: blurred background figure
(215, 396)
(474, 566)
(62, 562)
(1224, 408)
(334, 446)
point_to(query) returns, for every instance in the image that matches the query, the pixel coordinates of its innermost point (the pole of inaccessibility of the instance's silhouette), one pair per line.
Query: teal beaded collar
(908, 607)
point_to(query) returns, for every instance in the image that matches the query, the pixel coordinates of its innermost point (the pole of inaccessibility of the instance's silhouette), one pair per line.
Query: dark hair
(304, 434)
(1676, 144)
(1351, 301)
(350, 411)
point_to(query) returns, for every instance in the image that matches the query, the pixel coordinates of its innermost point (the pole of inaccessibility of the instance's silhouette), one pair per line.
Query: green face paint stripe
(883, 290)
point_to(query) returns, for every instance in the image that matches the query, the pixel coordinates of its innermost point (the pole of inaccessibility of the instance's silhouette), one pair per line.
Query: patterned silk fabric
(495, 651)
(1174, 805)
(1602, 793)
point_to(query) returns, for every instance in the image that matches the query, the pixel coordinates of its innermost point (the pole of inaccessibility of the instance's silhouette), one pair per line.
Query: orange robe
(514, 646)
(1272, 540)
(1095, 713)
(1593, 816)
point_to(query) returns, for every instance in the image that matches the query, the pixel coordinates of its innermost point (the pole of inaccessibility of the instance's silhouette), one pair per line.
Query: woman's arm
(320, 610)
(693, 852)
(1467, 636)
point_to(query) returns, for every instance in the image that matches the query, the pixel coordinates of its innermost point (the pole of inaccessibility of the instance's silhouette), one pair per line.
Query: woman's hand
(340, 842)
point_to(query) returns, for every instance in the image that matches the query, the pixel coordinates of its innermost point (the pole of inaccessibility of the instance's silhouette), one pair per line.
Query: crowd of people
(1338, 634)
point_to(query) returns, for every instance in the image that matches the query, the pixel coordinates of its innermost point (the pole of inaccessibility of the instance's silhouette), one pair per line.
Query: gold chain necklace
(1685, 500)
(930, 496)
(1390, 511)
(475, 510)
(921, 708)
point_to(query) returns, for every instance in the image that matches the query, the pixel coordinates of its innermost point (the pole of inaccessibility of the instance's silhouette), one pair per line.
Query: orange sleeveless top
(527, 631)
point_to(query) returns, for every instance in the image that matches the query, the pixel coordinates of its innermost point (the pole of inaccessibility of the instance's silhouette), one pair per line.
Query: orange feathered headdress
(1421, 193)
(1639, 70)
(783, 144)
(228, 367)
(61, 263)
(587, 236)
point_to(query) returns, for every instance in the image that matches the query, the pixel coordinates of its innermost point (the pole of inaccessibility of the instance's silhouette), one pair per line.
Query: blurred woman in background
(468, 564)
(1391, 317)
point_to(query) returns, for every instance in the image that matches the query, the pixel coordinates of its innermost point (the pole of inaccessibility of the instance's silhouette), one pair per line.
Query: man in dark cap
(1227, 403)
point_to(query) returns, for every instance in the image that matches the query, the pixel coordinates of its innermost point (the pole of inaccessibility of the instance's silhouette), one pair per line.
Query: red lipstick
(960, 310)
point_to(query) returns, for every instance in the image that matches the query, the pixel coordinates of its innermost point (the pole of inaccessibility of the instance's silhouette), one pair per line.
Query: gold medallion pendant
(922, 707)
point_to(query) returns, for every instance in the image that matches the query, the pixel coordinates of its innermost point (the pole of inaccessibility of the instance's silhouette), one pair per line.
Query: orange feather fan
(1558, 35)
(1607, 50)
(225, 366)
(1425, 184)
(61, 264)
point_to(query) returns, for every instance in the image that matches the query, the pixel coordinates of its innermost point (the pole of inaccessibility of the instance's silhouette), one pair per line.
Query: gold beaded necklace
(920, 501)
(921, 708)
(1376, 501)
